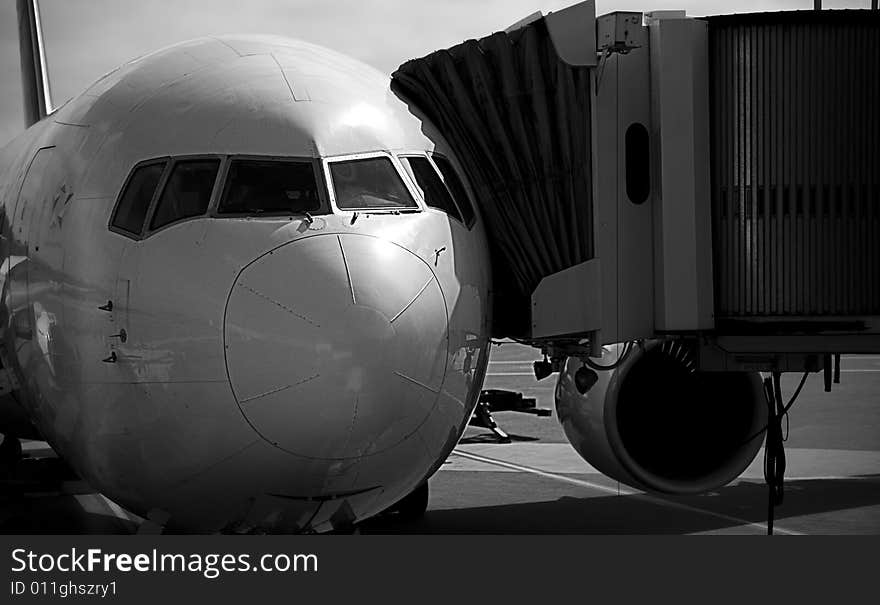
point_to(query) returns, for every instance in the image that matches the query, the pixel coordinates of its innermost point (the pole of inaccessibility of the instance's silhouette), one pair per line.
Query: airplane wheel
(10, 451)
(414, 505)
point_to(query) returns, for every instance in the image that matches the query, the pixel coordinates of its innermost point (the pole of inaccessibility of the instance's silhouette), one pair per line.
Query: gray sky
(87, 38)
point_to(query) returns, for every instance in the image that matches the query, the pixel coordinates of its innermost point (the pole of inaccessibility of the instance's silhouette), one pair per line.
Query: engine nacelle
(655, 423)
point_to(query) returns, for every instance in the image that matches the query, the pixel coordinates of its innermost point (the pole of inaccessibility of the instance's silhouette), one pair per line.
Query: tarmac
(537, 484)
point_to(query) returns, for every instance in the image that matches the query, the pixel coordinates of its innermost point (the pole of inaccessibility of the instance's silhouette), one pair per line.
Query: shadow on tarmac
(636, 514)
(37, 500)
(490, 438)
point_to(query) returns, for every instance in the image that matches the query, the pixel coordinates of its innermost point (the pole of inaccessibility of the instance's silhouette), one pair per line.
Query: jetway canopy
(519, 118)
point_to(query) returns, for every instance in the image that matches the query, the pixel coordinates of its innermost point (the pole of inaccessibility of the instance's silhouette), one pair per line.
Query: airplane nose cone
(336, 345)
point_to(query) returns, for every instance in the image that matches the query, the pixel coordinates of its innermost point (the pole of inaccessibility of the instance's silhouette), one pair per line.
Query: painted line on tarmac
(96, 504)
(843, 370)
(625, 492)
(117, 510)
(525, 362)
(99, 504)
(532, 374)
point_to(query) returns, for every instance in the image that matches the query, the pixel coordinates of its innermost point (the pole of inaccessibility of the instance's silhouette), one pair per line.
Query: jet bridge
(519, 105)
(643, 176)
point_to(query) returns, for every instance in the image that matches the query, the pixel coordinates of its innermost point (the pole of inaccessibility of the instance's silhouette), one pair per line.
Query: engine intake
(656, 423)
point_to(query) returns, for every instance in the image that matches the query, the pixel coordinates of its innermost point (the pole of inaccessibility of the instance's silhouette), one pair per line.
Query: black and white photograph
(544, 267)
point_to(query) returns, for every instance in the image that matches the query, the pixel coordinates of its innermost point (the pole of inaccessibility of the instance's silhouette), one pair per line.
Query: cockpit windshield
(433, 189)
(270, 187)
(369, 184)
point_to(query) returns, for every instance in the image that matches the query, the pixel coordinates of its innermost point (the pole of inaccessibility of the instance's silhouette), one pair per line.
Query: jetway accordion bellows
(518, 117)
(795, 156)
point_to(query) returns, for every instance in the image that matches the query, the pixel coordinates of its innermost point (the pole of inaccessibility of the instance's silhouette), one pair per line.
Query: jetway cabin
(652, 175)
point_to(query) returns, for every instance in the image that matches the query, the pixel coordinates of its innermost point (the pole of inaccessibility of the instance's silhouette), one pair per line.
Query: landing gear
(497, 400)
(414, 505)
(10, 453)
(483, 418)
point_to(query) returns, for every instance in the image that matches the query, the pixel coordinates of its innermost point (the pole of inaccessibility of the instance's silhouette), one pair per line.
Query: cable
(797, 392)
(520, 341)
(774, 451)
(791, 401)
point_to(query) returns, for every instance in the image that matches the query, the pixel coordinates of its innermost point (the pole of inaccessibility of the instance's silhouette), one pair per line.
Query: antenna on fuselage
(34, 69)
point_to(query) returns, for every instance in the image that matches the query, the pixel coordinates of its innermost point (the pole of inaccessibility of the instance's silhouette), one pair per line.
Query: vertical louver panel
(795, 102)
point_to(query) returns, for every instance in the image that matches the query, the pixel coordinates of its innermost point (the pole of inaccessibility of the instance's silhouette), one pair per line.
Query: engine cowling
(655, 423)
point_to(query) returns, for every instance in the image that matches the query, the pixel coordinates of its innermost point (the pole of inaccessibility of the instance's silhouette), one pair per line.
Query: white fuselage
(278, 373)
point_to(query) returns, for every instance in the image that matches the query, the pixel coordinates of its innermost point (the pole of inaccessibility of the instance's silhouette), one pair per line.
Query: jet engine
(644, 415)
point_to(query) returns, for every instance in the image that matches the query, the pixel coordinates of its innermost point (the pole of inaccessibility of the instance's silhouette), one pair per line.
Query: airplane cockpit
(281, 186)
(370, 183)
(162, 192)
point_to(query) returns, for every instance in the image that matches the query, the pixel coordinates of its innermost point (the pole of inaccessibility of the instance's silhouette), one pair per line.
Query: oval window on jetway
(131, 210)
(638, 163)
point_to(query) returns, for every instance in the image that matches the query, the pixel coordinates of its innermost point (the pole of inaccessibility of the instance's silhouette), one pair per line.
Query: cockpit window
(435, 192)
(187, 192)
(456, 187)
(369, 184)
(270, 186)
(131, 211)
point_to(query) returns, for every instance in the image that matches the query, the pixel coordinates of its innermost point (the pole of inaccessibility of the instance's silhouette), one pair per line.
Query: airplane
(245, 287)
